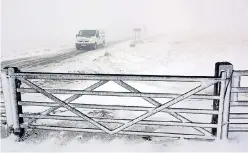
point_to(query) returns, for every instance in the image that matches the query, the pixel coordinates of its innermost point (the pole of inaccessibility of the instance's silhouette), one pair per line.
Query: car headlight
(91, 40)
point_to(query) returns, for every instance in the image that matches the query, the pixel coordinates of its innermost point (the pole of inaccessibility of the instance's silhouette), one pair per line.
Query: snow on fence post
(6, 97)
(14, 98)
(228, 68)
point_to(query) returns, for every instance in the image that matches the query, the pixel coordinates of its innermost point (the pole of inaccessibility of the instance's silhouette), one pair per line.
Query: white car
(90, 39)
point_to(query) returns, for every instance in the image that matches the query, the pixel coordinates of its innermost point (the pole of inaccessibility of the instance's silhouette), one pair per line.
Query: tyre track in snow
(40, 61)
(30, 62)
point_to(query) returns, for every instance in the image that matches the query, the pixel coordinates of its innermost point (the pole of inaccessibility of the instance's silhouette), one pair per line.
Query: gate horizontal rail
(113, 77)
(157, 134)
(121, 107)
(120, 94)
(239, 104)
(238, 115)
(239, 89)
(121, 121)
(240, 73)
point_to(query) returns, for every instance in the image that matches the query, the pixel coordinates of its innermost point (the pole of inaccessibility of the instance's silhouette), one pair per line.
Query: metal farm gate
(239, 107)
(18, 121)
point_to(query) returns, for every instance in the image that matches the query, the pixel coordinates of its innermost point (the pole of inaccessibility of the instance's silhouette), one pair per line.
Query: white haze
(45, 23)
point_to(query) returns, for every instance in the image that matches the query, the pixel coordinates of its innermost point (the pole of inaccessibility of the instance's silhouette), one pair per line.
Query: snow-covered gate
(18, 121)
(239, 103)
(3, 114)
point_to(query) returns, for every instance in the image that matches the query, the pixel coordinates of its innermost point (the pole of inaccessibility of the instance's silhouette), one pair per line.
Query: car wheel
(77, 47)
(103, 44)
(95, 46)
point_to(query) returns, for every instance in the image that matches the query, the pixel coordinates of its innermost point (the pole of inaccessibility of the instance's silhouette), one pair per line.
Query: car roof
(93, 29)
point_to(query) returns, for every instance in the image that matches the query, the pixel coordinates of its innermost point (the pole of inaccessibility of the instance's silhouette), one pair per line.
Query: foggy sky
(57, 21)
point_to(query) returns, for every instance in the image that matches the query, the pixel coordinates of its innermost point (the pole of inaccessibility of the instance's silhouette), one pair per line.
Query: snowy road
(34, 61)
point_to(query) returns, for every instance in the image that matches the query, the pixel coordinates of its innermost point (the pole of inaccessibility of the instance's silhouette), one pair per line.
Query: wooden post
(14, 98)
(228, 68)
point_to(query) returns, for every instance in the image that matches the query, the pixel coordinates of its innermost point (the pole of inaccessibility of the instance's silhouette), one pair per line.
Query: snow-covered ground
(13, 52)
(162, 55)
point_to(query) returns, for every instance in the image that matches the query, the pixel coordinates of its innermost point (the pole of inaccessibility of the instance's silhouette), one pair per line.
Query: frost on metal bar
(238, 115)
(119, 94)
(112, 77)
(238, 127)
(121, 121)
(120, 107)
(239, 104)
(240, 90)
(156, 134)
(240, 73)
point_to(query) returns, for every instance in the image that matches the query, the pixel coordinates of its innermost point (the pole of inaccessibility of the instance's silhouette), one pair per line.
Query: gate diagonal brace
(65, 105)
(68, 100)
(159, 108)
(157, 104)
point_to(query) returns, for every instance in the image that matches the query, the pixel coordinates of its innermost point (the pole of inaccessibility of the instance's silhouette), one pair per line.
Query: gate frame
(12, 76)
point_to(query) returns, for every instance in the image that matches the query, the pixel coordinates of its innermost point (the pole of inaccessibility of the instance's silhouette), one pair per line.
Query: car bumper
(83, 44)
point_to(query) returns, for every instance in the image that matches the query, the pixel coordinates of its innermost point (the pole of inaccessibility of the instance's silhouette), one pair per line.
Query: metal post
(7, 101)
(226, 109)
(221, 105)
(235, 83)
(228, 68)
(14, 98)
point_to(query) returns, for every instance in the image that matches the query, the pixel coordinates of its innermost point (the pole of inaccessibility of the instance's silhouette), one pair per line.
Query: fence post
(14, 98)
(228, 68)
(235, 83)
(6, 97)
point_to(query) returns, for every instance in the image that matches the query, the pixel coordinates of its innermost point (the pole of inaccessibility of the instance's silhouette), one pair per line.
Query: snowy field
(162, 56)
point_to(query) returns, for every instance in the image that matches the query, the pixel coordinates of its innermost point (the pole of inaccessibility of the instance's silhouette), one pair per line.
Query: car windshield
(87, 33)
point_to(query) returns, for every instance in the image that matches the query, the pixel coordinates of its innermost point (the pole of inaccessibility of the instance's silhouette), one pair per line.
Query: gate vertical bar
(235, 83)
(6, 97)
(220, 67)
(221, 105)
(226, 110)
(14, 97)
